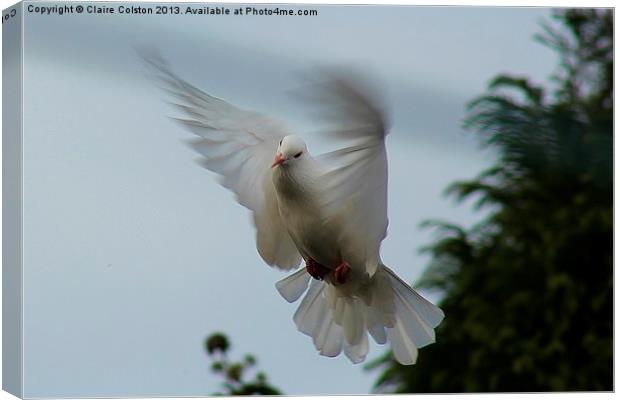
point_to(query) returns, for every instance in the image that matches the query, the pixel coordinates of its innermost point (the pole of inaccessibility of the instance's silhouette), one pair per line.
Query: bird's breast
(300, 211)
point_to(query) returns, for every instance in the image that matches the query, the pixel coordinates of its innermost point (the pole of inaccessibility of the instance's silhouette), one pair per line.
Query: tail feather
(308, 314)
(387, 308)
(416, 320)
(357, 353)
(353, 321)
(293, 286)
(375, 327)
(427, 310)
(419, 329)
(403, 347)
(329, 339)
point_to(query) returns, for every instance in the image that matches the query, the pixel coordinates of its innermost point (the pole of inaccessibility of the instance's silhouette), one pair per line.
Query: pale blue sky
(133, 254)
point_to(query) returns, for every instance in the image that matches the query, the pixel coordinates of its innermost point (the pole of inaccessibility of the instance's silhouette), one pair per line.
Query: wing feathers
(354, 184)
(239, 145)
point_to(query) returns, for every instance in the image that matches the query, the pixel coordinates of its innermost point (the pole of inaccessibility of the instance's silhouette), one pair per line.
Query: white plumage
(329, 210)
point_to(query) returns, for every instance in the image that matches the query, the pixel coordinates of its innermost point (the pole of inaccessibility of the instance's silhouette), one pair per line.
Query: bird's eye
(280, 142)
(298, 154)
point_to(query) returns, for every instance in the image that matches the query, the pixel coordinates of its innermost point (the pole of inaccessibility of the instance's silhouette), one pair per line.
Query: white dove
(330, 211)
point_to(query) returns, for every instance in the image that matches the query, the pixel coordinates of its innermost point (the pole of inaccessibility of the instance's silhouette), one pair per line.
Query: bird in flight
(328, 211)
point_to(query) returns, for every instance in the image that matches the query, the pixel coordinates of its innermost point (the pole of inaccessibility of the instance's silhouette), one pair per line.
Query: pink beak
(278, 160)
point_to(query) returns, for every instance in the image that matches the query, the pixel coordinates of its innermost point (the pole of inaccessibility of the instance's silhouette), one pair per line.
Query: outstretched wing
(239, 145)
(354, 186)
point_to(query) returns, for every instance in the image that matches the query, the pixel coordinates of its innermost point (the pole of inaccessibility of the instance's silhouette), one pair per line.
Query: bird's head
(291, 149)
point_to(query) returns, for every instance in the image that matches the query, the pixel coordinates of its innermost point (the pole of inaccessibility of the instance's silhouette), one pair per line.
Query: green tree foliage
(234, 372)
(528, 292)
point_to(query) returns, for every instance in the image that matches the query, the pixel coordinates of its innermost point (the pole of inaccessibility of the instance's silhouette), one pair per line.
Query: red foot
(316, 270)
(341, 274)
